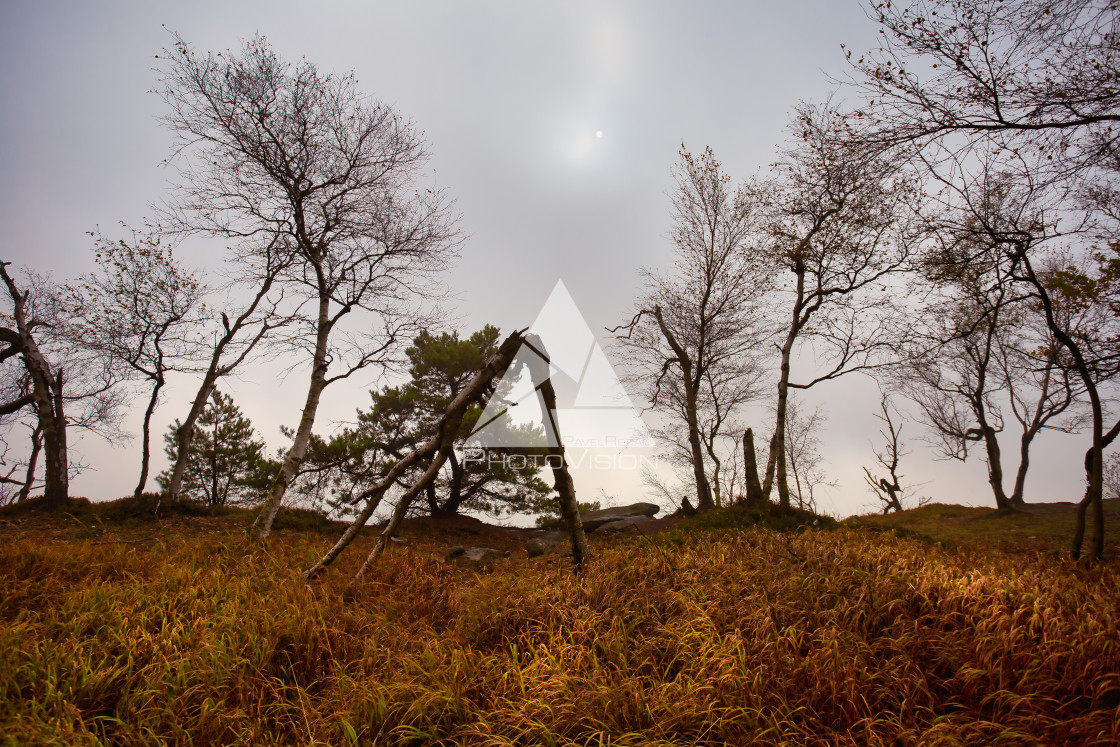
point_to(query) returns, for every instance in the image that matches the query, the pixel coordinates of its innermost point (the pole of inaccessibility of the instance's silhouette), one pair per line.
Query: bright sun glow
(598, 133)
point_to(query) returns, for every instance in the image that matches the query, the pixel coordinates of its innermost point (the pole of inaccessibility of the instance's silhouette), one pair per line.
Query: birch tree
(143, 309)
(979, 349)
(252, 323)
(284, 153)
(692, 343)
(1033, 82)
(839, 225)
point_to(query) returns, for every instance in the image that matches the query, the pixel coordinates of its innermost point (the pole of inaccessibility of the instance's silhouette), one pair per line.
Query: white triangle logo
(593, 408)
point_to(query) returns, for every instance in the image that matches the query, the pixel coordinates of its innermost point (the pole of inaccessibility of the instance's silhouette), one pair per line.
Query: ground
(119, 628)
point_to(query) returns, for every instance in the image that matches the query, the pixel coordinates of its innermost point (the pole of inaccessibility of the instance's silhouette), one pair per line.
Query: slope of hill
(126, 631)
(1046, 527)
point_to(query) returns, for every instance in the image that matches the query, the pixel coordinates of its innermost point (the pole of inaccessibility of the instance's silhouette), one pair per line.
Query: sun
(598, 133)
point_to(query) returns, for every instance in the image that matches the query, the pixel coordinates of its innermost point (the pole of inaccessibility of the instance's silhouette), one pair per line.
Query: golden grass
(744, 637)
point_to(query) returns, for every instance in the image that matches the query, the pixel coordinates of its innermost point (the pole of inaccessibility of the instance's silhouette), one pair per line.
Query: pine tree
(226, 461)
(403, 417)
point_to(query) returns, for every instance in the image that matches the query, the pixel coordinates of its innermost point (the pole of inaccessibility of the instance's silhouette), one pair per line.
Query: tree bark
(184, 436)
(455, 494)
(263, 524)
(16, 405)
(433, 499)
(52, 419)
(717, 493)
(399, 513)
(995, 465)
(776, 463)
(1017, 496)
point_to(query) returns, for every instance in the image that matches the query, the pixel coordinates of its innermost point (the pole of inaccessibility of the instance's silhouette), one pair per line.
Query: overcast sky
(511, 96)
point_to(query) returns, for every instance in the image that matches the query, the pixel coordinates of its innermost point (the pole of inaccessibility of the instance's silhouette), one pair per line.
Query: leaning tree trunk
(437, 449)
(1017, 496)
(565, 488)
(401, 511)
(1094, 490)
(184, 435)
(995, 466)
(32, 463)
(444, 438)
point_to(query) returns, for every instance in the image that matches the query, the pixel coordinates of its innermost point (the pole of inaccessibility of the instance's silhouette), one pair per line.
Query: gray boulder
(476, 554)
(592, 520)
(619, 524)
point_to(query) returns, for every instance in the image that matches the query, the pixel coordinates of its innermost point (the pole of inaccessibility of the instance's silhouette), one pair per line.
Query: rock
(592, 520)
(619, 524)
(476, 554)
(542, 544)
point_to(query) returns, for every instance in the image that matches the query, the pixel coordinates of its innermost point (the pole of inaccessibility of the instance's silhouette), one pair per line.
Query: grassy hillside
(1037, 527)
(138, 632)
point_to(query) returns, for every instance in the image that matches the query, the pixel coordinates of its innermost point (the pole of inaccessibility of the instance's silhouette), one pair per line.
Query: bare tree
(38, 331)
(18, 475)
(252, 323)
(839, 226)
(17, 466)
(977, 345)
(1033, 81)
(692, 343)
(1041, 75)
(269, 149)
(806, 465)
(889, 490)
(1012, 214)
(140, 308)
